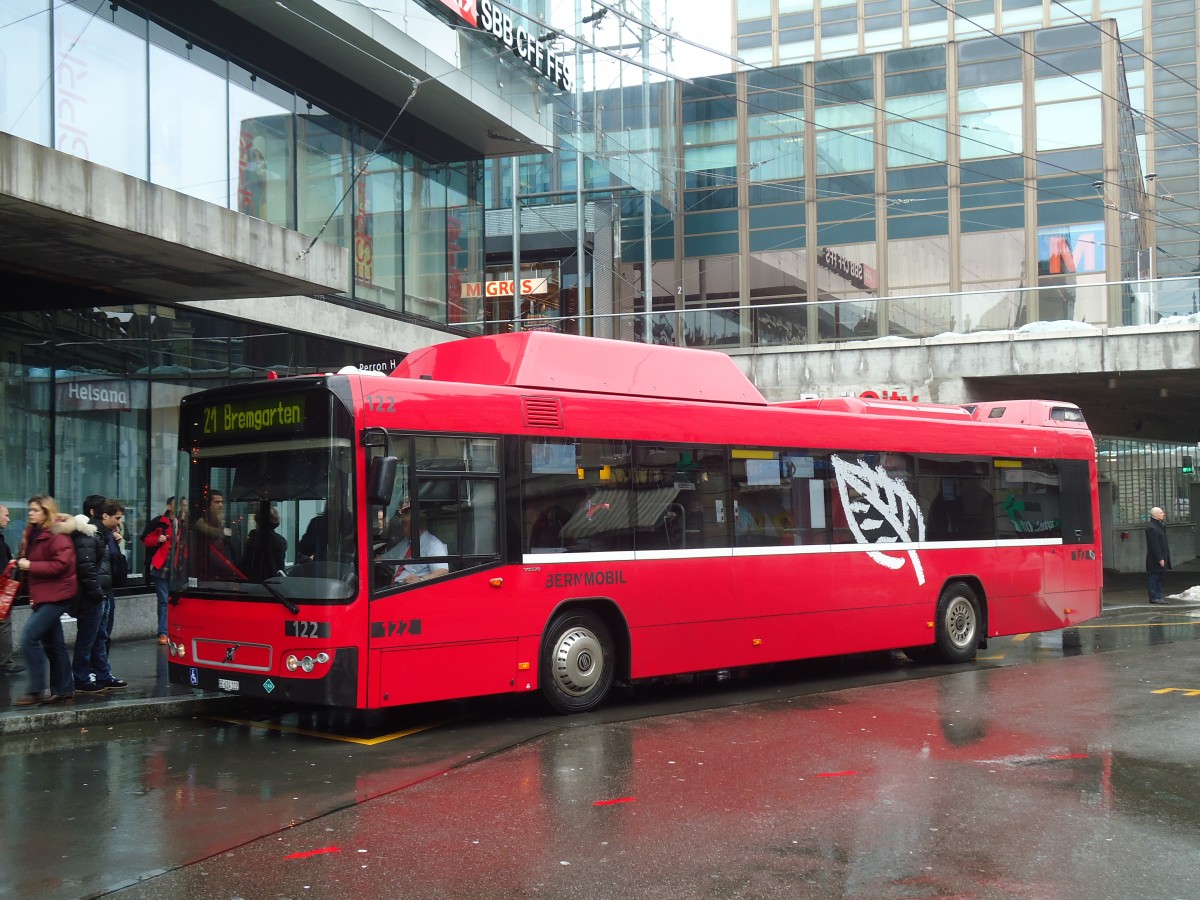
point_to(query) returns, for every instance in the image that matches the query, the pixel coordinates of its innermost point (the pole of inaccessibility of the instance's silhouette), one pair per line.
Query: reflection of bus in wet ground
(978, 784)
(538, 511)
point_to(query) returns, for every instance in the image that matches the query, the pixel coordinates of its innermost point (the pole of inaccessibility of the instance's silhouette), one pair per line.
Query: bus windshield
(267, 520)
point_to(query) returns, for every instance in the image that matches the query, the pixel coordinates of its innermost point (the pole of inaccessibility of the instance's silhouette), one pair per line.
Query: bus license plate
(227, 684)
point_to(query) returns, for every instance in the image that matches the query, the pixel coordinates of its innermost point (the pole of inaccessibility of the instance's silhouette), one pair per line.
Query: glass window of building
(847, 282)
(1077, 123)
(25, 48)
(324, 174)
(754, 9)
(845, 115)
(100, 92)
(188, 126)
(927, 21)
(710, 292)
(378, 228)
(993, 297)
(778, 291)
(1022, 13)
(261, 145)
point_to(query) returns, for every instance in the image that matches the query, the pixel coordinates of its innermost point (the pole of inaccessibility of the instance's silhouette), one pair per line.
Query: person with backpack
(89, 664)
(156, 538)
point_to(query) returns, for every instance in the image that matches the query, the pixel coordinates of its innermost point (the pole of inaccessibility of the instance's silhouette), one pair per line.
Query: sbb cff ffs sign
(487, 16)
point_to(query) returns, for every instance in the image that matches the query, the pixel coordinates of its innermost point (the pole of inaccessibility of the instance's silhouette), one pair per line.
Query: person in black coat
(93, 567)
(1158, 554)
(266, 548)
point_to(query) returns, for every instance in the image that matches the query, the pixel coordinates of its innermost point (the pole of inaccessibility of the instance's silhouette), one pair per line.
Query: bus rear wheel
(957, 623)
(577, 662)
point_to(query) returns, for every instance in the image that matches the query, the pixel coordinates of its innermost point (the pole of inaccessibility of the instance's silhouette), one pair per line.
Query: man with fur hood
(90, 664)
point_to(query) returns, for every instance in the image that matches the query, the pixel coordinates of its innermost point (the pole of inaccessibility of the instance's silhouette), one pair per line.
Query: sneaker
(116, 684)
(88, 687)
(11, 668)
(162, 639)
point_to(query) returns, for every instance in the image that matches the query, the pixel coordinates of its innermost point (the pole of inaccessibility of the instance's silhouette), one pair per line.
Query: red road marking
(307, 853)
(835, 774)
(617, 800)
(1069, 756)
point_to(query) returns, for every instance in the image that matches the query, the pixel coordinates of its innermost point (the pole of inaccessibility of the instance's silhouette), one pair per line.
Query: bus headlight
(305, 663)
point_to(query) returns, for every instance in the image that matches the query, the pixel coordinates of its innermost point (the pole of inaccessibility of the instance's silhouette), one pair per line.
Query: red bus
(537, 511)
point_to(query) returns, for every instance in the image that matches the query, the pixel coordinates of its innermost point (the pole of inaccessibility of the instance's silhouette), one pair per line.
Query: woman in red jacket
(48, 561)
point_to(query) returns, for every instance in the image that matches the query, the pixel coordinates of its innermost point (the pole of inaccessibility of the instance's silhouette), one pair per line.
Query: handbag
(9, 582)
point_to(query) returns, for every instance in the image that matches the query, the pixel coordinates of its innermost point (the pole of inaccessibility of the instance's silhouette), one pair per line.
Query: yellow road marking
(997, 656)
(1187, 692)
(366, 742)
(1019, 637)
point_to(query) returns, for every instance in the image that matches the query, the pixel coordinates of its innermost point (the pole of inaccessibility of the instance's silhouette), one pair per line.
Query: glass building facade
(1155, 87)
(976, 185)
(971, 186)
(91, 397)
(91, 392)
(111, 85)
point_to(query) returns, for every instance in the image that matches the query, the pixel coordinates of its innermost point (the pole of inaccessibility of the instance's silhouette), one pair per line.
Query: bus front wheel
(958, 621)
(577, 662)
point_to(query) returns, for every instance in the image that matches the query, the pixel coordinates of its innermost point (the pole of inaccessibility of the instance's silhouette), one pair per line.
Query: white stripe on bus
(534, 559)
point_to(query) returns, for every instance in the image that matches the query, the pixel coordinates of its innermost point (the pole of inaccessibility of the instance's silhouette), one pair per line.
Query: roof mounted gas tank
(547, 361)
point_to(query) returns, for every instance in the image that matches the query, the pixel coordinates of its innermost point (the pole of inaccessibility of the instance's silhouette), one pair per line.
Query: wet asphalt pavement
(1060, 765)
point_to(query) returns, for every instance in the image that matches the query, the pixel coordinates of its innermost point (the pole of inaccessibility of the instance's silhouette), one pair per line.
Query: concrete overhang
(365, 48)
(76, 233)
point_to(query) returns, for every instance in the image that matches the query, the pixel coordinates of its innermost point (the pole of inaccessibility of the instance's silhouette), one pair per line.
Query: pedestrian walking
(8, 666)
(47, 557)
(1158, 554)
(156, 538)
(89, 661)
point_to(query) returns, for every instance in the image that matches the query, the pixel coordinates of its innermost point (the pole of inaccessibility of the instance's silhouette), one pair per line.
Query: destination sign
(269, 415)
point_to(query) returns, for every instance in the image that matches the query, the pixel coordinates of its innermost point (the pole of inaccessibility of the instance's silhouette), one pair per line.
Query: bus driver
(429, 545)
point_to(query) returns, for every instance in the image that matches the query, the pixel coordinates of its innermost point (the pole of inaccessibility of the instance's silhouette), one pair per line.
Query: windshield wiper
(287, 602)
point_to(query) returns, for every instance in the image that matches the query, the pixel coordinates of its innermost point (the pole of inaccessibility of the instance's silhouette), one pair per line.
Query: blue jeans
(91, 654)
(42, 640)
(106, 626)
(1155, 579)
(158, 578)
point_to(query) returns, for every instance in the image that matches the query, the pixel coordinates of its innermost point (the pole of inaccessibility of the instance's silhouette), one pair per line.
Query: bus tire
(957, 623)
(577, 662)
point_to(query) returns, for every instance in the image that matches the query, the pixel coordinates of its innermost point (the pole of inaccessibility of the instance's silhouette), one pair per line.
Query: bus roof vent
(542, 412)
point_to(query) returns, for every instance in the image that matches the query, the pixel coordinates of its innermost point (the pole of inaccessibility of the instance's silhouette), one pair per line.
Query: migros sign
(487, 16)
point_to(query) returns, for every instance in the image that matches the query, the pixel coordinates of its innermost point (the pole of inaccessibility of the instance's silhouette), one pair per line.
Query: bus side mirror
(381, 479)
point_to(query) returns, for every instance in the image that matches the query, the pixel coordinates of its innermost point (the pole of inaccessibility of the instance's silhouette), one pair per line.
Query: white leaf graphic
(878, 500)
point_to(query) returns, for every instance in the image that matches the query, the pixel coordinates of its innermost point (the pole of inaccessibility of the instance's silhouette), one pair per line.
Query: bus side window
(762, 497)
(481, 525)
(1027, 499)
(589, 484)
(683, 498)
